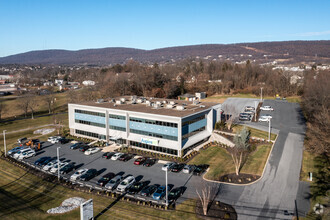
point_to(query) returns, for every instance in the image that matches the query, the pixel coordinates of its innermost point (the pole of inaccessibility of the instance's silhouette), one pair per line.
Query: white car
(56, 167)
(78, 174)
(188, 169)
(266, 108)
(168, 166)
(267, 116)
(18, 153)
(54, 139)
(125, 184)
(263, 119)
(249, 108)
(92, 151)
(116, 156)
(50, 165)
(27, 154)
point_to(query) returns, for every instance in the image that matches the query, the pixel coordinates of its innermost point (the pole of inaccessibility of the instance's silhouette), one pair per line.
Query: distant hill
(263, 51)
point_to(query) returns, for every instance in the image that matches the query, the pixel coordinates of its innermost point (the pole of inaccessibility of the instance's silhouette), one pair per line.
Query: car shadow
(101, 171)
(121, 173)
(39, 152)
(79, 165)
(138, 178)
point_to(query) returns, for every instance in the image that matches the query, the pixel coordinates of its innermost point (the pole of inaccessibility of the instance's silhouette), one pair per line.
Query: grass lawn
(221, 162)
(12, 109)
(29, 197)
(257, 160)
(307, 165)
(256, 132)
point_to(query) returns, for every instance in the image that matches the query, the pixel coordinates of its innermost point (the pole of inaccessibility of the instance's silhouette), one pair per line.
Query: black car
(177, 167)
(63, 141)
(84, 148)
(149, 162)
(137, 187)
(67, 168)
(125, 157)
(175, 193)
(108, 155)
(149, 190)
(200, 169)
(47, 161)
(41, 160)
(76, 146)
(105, 179)
(90, 174)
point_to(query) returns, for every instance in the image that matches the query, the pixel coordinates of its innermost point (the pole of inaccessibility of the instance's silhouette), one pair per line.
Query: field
(29, 197)
(256, 132)
(221, 162)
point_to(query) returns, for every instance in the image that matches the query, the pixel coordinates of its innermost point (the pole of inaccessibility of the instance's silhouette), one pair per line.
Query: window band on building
(154, 122)
(151, 134)
(154, 148)
(90, 123)
(90, 134)
(89, 113)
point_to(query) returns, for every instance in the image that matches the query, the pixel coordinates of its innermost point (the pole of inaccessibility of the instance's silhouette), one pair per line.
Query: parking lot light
(4, 142)
(269, 128)
(166, 195)
(58, 163)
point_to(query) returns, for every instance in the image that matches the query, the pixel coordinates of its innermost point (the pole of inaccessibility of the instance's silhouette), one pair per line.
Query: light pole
(255, 110)
(261, 94)
(269, 129)
(58, 163)
(166, 199)
(4, 142)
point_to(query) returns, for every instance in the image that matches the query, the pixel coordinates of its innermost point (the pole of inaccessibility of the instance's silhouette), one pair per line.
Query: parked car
(78, 174)
(49, 165)
(125, 157)
(47, 161)
(267, 116)
(114, 182)
(14, 150)
(168, 166)
(76, 145)
(188, 168)
(55, 168)
(92, 151)
(148, 190)
(125, 184)
(177, 167)
(90, 174)
(63, 140)
(137, 187)
(83, 148)
(200, 169)
(244, 118)
(116, 156)
(108, 155)
(263, 119)
(175, 193)
(140, 160)
(18, 153)
(54, 139)
(149, 162)
(266, 108)
(51, 138)
(27, 154)
(67, 168)
(105, 179)
(160, 192)
(249, 108)
(41, 160)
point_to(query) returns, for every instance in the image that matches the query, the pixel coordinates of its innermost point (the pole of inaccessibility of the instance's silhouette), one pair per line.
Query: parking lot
(154, 174)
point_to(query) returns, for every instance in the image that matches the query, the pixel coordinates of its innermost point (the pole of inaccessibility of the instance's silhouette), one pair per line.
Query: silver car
(114, 182)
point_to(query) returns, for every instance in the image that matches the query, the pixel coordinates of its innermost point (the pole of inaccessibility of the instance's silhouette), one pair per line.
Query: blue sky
(71, 24)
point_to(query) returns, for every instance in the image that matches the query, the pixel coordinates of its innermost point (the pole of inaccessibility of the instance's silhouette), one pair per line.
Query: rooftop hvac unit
(169, 106)
(133, 97)
(195, 102)
(172, 102)
(148, 102)
(156, 105)
(140, 100)
(180, 107)
(112, 100)
(118, 102)
(158, 102)
(122, 99)
(100, 101)
(202, 106)
(164, 102)
(133, 101)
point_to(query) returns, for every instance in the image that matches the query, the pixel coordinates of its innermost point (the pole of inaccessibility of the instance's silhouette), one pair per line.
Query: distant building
(200, 95)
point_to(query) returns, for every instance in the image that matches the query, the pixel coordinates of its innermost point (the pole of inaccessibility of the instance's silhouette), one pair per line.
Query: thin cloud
(311, 34)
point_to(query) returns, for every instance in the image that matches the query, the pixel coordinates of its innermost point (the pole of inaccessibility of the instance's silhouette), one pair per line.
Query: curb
(246, 184)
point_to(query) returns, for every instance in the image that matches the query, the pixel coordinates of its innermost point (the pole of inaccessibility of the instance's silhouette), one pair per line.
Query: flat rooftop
(155, 106)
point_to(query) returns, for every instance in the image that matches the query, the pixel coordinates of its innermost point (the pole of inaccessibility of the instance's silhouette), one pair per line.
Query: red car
(140, 160)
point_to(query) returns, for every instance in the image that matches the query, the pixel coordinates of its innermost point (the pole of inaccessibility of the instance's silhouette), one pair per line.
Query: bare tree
(231, 115)
(24, 103)
(240, 150)
(2, 108)
(209, 192)
(50, 100)
(33, 104)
